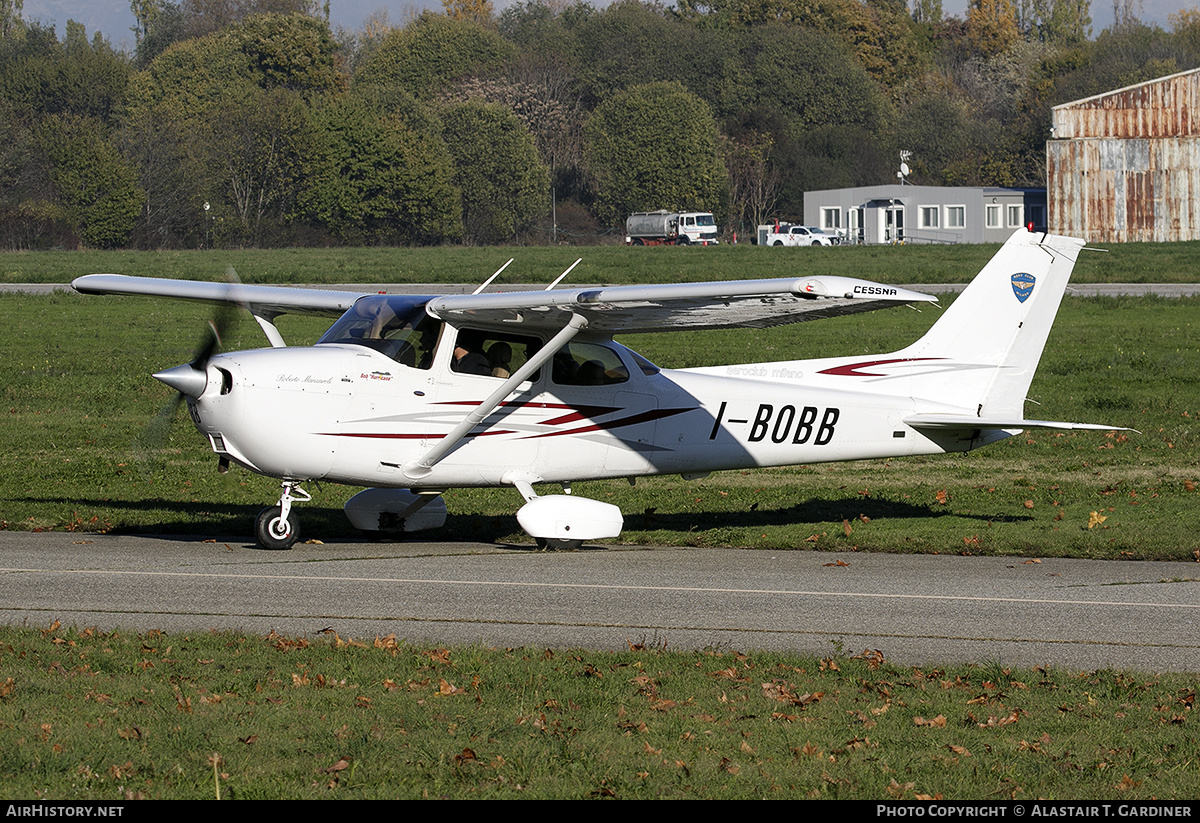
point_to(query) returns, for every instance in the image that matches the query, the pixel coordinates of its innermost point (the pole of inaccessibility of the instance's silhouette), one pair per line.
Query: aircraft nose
(186, 379)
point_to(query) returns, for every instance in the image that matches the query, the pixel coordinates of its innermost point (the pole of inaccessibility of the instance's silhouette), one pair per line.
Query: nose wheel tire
(273, 531)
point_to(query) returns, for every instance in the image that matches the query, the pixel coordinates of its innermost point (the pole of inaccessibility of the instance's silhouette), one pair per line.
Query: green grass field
(86, 715)
(1129, 263)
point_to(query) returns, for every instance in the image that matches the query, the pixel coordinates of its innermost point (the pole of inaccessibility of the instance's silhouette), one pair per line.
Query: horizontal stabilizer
(966, 421)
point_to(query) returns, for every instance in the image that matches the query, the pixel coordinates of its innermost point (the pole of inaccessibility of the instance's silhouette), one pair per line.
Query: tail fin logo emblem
(1022, 285)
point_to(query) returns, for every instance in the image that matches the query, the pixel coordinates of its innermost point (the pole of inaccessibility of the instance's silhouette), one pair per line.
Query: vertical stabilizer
(990, 339)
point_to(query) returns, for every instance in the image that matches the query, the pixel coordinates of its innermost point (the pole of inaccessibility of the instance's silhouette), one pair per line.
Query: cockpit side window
(395, 325)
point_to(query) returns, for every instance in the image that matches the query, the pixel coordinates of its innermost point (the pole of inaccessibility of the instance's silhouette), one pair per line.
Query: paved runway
(1076, 614)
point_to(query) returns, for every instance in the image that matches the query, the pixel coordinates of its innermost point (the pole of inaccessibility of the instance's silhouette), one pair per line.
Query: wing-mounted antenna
(488, 282)
(560, 278)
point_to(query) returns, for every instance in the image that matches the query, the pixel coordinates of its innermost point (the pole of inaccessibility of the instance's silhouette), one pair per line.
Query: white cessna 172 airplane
(413, 395)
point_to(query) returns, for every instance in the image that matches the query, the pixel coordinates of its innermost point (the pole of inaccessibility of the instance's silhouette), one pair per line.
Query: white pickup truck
(787, 234)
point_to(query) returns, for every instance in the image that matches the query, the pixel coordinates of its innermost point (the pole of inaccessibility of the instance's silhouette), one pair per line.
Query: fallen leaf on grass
(783, 693)
(445, 688)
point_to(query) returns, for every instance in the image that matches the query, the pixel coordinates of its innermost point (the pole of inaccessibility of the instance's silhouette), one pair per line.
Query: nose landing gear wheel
(274, 531)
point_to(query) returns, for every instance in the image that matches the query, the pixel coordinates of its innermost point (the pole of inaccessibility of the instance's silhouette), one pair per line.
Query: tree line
(252, 123)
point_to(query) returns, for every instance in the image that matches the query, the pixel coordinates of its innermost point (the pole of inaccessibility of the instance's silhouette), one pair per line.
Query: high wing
(267, 301)
(633, 309)
(607, 309)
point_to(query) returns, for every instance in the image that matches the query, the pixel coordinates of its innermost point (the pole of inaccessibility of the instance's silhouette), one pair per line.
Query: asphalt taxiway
(914, 609)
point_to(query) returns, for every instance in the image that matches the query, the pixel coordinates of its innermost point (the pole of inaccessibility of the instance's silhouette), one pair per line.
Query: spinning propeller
(191, 378)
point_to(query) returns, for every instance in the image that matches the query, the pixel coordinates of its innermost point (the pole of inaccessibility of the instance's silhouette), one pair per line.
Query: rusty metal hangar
(1125, 165)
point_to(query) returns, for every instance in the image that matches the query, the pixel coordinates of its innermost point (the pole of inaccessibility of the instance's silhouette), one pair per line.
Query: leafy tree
(474, 11)
(1063, 22)
(940, 131)
(504, 185)
(374, 179)
(192, 78)
(161, 23)
(631, 44)
(431, 52)
(97, 190)
(1185, 25)
(10, 18)
(754, 180)
(810, 80)
(879, 33)
(538, 29)
(830, 157)
(927, 12)
(1120, 56)
(39, 75)
(653, 147)
(162, 147)
(293, 51)
(27, 210)
(547, 109)
(991, 25)
(255, 149)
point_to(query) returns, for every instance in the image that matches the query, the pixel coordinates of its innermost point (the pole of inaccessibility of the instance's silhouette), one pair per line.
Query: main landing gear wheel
(274, 531)
(554, 544)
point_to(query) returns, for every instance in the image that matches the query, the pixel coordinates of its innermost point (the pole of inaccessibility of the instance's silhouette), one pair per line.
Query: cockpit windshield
(395, 325)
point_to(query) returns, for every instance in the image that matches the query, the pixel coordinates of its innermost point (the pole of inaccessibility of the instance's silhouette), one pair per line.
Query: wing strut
(422, 466)
(266, 322)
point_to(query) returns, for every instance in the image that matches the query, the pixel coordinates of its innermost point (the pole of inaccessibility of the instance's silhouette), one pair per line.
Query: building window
(1016, 216)
(956, 217)
(929, 217)
(1037, 215)
(831, 218)
(993, 218)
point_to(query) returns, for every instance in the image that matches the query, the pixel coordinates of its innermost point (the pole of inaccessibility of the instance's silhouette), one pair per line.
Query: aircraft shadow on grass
(226, 519)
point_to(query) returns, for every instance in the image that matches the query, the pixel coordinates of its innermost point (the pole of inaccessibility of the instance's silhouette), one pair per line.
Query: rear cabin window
(588, 364)
(492, 354)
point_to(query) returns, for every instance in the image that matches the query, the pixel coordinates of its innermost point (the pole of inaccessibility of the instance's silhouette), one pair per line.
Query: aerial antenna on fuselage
(488, 282)
(559, 279)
